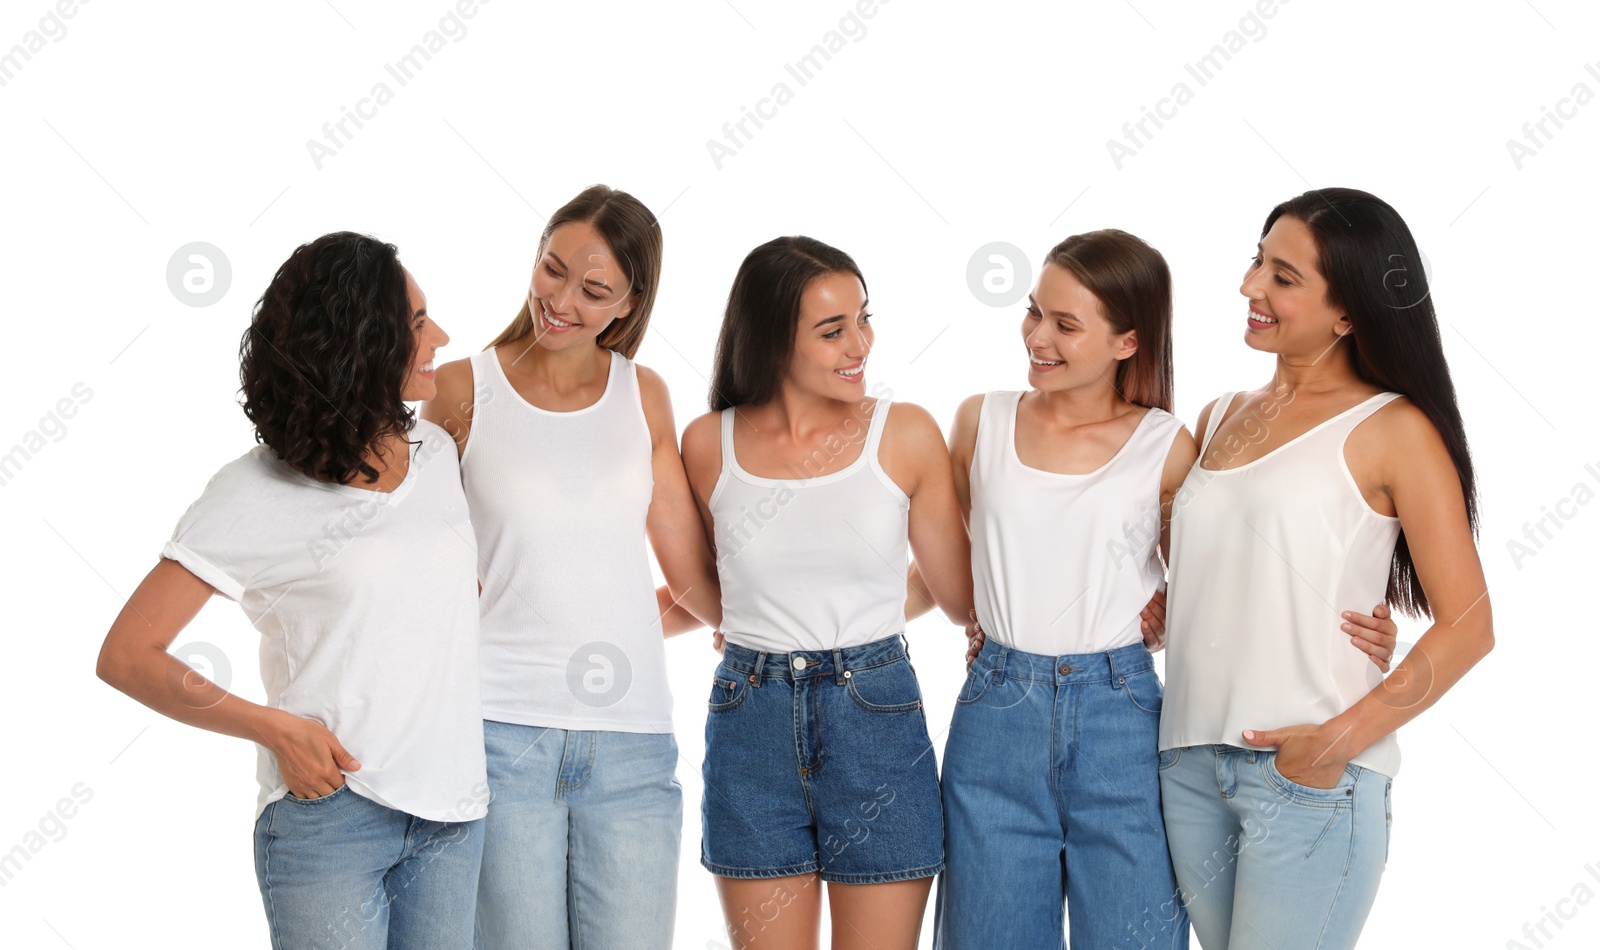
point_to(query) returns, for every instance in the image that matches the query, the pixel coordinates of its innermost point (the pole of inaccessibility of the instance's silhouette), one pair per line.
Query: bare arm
(963, 435)
(914, 455)
(677, 534)
(1420, 479)
(134, 659)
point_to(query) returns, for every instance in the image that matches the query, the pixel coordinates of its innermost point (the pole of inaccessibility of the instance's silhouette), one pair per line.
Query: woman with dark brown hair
(344, 536)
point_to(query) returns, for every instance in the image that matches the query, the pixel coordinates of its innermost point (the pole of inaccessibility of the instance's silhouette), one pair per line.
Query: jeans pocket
(289, 796)
(977, 683)
(1340, 794)
(1143, 689)
(890, 688)
(728, 690)
(1167, 758)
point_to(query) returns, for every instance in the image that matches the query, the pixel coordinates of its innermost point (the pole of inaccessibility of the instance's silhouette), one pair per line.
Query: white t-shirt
(368, 612)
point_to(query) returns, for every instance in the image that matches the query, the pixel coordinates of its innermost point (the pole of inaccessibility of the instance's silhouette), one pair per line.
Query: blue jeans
(1265, 863)
(819, 761)
(1050, 793)
(581, 841)
(342, 872)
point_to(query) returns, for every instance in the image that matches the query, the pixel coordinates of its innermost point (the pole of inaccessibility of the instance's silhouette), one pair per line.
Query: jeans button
(799, 662)
(1065, 669)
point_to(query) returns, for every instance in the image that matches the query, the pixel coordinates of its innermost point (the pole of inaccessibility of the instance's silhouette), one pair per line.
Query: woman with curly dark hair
(345, 538)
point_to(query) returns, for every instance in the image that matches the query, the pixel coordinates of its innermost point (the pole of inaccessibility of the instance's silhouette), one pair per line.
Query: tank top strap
(1218, 410)
(728, 460)
(880, 420)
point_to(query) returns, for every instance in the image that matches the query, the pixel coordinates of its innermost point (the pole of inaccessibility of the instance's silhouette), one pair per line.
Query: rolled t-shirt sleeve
(214, 539)
(204, 569)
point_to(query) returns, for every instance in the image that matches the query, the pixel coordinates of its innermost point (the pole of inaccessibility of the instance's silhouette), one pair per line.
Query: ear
(1342, 326)
(1128, 345)
(627, 308)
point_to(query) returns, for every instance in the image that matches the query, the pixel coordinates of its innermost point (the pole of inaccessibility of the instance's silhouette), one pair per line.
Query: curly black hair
(328, 349)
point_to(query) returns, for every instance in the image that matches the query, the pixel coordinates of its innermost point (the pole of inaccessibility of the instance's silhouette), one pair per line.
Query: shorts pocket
(890, 688)
(1167, 758)
(1340, 794)
(728, 690)
(1144, 690)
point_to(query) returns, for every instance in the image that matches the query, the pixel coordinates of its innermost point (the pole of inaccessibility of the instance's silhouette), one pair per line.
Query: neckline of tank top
(1016, 457)
(611, 378)
(807, 482)
(1200, 462)
(394, 494)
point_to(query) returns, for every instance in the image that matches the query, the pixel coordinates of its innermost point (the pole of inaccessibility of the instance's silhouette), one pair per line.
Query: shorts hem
(890, 877)
(757, 874)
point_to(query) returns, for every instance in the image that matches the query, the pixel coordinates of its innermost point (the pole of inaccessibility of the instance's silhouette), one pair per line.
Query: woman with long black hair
(1344, 480)
(345, 538)
(818, 768)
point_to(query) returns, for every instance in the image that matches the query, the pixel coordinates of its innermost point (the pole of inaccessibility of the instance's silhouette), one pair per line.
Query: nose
(1252, 284)
(443, 338)
(860, 342)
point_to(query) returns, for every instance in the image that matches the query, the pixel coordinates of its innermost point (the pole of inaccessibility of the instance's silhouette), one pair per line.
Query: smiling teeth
(851, 372)
(1261, 319)
(1039, 362)
(557, 323)
(427, 367)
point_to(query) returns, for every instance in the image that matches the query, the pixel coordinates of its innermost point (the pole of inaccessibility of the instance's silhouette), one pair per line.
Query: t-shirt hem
(428, 813)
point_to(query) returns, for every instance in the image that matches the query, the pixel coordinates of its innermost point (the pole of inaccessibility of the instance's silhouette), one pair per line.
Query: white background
(944, 127)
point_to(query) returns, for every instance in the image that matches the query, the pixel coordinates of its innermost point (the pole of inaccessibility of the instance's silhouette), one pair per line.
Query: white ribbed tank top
(571, 637)
(1064, 563)
(811, 563)
(1264, 557)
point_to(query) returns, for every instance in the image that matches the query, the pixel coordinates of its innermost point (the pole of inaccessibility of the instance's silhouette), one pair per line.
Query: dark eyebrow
(1059, 314)
(838, 317)
(421, 312)
(598, 283)
(1283, 264)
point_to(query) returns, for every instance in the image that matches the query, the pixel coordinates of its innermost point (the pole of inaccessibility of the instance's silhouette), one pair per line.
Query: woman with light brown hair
(569, 458)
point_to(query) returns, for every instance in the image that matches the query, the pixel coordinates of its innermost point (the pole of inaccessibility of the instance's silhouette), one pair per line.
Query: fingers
(344, 760)
(1260, 737)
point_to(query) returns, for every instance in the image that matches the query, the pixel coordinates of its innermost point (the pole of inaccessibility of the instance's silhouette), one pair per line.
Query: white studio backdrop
(918, 136)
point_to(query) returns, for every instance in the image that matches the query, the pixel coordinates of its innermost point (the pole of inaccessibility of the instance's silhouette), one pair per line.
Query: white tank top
(1264, 558)
(1064, 563)
(571, 637)
(811, 563)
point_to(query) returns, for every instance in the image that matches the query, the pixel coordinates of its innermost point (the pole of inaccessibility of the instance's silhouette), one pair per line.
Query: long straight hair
(1375, 274)
(1131, 280)
(763, 315)
(633, 236)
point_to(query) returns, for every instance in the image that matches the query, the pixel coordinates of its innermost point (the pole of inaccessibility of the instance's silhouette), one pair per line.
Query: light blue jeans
(1268, 864)
(342, 872)
(581, 841)
(1051, 792)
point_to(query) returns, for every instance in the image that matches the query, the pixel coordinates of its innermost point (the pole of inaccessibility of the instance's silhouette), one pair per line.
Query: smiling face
(1070, 342)
(579, 288)
(832, 338)
(1289, 310)
(419, 385)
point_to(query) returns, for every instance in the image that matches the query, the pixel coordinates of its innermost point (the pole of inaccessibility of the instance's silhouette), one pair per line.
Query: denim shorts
(819, 762)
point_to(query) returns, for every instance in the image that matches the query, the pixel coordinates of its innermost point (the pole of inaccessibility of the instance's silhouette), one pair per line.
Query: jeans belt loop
(1000, 665)
(761, 669)
(838, 667)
